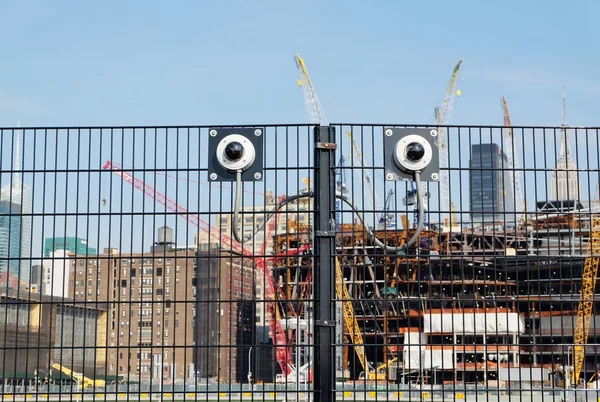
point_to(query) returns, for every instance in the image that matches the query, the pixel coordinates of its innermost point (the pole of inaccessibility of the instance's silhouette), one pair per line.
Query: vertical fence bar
(324, 236)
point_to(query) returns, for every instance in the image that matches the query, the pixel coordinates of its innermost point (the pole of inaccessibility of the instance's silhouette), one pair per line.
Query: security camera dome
(415, 152)
(234, 151)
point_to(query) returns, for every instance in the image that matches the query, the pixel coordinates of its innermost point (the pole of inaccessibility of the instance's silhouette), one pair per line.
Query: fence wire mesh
(121, 279)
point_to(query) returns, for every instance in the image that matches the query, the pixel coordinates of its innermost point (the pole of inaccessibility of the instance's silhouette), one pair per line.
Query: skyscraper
(564, 184)
(15, 223)
(491, 194)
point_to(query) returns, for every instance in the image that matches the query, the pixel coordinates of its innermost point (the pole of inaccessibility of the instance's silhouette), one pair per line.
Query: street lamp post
(250, 366)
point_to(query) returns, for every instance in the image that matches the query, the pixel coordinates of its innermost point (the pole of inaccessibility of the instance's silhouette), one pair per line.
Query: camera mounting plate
(397, 162)
(223, 169)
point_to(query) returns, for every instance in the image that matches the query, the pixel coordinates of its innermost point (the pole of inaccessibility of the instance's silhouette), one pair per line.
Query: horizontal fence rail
(134, 266)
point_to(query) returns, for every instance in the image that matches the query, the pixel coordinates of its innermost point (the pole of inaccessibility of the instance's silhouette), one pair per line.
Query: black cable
(339, 196)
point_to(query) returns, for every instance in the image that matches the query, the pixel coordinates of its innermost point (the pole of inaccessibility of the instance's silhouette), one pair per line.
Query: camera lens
(415, 152)
(234, 151)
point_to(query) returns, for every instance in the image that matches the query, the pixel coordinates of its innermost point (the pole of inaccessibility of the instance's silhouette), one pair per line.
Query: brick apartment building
(226, 306)
(151, 314)
(163, 324)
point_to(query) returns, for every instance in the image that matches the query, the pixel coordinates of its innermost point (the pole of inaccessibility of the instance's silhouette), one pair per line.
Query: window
(159, 292)
(168, 303)
(132, 272)
(159, 271)
(123, 283)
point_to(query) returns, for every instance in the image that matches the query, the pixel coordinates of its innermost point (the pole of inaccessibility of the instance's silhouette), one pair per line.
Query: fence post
(324, 272)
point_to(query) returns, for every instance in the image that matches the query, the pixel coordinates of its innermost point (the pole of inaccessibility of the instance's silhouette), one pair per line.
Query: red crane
(282, 350)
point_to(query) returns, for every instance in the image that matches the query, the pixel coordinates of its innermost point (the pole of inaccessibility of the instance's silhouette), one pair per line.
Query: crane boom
(316, 114)
(349, 317)
(372, 198)
(441, 116)
(282, 351)
(586, 301)
(512, 159)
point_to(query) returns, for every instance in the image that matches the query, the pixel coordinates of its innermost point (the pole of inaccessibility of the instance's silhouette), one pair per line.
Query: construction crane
(512, 162)
(340, 184)
(442, 114)
(316, 115)
(372, 199)
(83, 381)
(386, 220)
(586, 301)
(350, 321)
(272, 291)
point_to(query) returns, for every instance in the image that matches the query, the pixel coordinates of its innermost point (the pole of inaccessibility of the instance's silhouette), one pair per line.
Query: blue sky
(149, 63)
(222, 62)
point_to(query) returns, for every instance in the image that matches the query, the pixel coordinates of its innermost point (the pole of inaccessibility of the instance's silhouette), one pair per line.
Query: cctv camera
(235, 153)
(412, 153)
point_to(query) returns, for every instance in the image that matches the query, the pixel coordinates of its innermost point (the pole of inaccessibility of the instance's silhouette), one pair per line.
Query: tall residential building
(151, 320)
(225, 305)
(491, 194)
(73, 245)
(15, 224)
(564, 184)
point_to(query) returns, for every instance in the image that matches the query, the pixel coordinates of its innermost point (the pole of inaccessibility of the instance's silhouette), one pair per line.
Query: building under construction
(460, 307)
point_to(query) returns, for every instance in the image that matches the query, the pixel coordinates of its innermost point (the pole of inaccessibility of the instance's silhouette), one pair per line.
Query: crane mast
(372, 199)
(316, 114)
(512, 159)
(442, 114)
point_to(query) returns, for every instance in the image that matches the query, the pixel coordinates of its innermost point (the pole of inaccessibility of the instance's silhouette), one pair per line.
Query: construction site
(503, 303)
(496, 291)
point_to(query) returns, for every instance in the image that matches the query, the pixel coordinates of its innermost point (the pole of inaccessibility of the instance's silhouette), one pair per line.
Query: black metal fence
(120, 275)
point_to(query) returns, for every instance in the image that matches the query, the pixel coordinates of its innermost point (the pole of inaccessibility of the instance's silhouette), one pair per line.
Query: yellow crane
(586, 301)
(349, 317)
(442, 114)
(83, 381)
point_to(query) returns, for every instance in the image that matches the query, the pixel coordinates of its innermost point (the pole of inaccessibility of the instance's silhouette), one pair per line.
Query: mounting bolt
(213, 133)
(257, 132)
(389, 132)
(213, 176)
(433, 133)
(434, 176)
(389, 176)
(257, 176)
